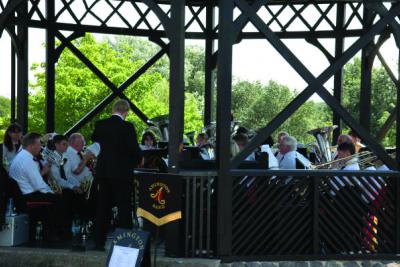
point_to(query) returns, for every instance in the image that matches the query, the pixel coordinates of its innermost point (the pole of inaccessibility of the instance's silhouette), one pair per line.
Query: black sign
(159, 197)
(130, 238)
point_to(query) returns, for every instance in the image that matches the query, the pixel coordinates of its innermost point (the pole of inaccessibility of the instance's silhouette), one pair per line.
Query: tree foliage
(255, 104)
(5, 115)
(78, 90)
(383, 97)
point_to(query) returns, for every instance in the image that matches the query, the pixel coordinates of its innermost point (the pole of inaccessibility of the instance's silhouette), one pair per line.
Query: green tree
(5, 115)
(78, 90)
(383, 97)
(255, 105)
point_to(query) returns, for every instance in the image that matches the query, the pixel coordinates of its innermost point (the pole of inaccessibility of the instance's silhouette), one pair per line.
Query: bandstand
(278, 222)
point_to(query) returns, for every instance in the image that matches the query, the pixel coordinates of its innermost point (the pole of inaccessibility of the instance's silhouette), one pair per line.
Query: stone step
(43, 257)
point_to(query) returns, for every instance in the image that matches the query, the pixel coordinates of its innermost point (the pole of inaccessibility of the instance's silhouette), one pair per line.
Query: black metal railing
(199, 214)
(294, 214)
(314, 214)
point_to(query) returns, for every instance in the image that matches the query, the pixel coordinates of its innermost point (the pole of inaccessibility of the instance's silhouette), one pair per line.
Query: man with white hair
(290, 158)
(77, 161)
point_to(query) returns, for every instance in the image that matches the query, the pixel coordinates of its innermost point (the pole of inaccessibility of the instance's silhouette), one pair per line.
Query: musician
(344, 138)
(341, 139)
(11, 144)
(281, 135)
(120, 154)
(77, 161)
(356, 140)
(59, 170)
(345, 151)
(206, 149)
(242, 140)
(290, 158)
(148, 141)
(26, 172)
(234, 148)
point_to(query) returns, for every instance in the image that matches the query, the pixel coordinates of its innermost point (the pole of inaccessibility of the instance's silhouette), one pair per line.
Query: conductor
(120, 154)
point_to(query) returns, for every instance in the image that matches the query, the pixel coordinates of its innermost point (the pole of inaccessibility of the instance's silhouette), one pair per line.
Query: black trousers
(55, 218)
(113, 193)
(77, 205)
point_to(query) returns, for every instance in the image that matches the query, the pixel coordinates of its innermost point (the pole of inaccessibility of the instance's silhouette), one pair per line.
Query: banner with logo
(159, 197)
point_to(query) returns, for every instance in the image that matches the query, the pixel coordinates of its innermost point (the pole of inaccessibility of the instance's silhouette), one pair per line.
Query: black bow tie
(37, 159)
(62, 171)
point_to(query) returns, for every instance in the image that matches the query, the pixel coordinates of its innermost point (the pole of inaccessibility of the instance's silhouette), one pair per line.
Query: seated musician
(281, 135)
(11, 144)
(78, 174)
(356, 141)
(242, 140)
(342, 139)
(206, 149)
(148, 141)
(70, 187)
(26, 172)
(345, 151)
(76, 159)
(290, 158)
(59, 168)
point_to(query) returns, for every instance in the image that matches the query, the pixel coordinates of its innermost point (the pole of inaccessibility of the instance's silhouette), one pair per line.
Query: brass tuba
(159, 126)
(323, 136)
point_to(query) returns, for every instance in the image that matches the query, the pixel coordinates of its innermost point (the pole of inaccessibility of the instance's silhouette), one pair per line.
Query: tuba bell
(159, 126)
(323, 136)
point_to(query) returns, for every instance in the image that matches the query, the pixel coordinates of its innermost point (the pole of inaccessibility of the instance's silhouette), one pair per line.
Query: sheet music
(123, 257)
(94, 148)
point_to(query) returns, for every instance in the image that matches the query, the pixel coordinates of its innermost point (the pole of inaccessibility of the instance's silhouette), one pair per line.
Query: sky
(252, 60)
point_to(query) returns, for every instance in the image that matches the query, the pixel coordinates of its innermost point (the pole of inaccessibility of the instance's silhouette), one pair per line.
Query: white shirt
(8, 156)
(272, 160)
(73, 161)
(119, 115)
(26, 172)
(288, 160)
(55, 172)
(337, 182)
(251, 157)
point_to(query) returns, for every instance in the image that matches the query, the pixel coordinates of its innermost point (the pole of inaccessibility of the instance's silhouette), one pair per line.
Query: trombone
(363, 157)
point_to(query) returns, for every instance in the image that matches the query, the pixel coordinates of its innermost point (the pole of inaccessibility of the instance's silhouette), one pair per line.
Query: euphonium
(53, 158)
(53, 185)
(86, 185)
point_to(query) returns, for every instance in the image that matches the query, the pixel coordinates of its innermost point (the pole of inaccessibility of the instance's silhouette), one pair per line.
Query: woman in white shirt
(11, 144)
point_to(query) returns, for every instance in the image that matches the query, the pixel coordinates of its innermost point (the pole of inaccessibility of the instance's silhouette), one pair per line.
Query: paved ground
(41, 257)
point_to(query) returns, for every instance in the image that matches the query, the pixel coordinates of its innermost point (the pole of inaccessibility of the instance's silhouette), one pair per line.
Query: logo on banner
(157, 193)
(159, 197)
